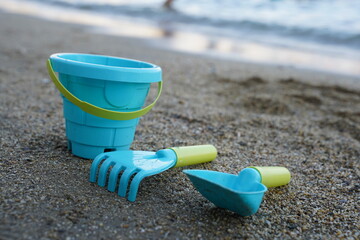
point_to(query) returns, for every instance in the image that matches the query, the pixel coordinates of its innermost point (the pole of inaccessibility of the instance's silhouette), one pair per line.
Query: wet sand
(254, 114)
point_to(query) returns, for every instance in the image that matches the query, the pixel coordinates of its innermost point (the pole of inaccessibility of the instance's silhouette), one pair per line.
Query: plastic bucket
(102, 98)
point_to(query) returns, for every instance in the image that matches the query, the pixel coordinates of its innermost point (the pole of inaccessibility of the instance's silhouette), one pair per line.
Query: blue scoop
(241, 193)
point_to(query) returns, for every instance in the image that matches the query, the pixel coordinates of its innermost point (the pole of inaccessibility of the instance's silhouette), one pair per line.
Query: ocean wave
(233, 25)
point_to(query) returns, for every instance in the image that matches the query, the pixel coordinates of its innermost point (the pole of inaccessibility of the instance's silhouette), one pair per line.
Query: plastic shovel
(241, 193)
(141, 164)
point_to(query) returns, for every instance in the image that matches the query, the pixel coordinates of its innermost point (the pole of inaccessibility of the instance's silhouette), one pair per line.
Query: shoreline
(165, 36)
(255, 115)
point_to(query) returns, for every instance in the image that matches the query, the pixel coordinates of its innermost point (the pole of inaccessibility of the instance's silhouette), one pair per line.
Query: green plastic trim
(97, 111)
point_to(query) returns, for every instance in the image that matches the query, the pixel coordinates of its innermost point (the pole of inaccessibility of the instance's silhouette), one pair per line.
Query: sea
(322, 35)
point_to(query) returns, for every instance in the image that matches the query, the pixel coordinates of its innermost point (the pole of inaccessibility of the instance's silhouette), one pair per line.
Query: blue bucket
(103, 98)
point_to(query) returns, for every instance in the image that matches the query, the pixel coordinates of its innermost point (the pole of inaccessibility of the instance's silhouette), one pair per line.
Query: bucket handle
(97, 111)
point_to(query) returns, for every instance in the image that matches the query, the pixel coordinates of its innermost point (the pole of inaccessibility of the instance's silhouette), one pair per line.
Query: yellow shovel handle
(274, 176)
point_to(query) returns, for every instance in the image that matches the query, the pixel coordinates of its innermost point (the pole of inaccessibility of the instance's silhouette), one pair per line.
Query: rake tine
(114, 176)
(95, 165)
(134, 186)
(124, 181)
(103, 172)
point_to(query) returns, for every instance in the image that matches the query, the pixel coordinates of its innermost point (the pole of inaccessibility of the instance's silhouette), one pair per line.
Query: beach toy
(241, 193)
(102, 98)
(141, 164)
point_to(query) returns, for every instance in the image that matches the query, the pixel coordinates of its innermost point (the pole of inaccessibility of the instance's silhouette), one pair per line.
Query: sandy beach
(253, 114)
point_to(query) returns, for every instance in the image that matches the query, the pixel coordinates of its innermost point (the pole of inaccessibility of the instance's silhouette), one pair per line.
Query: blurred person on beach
(168, 4)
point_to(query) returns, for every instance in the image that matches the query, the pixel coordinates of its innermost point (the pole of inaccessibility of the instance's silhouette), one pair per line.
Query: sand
(254, 114)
